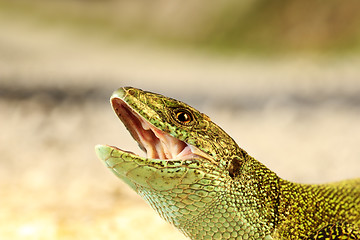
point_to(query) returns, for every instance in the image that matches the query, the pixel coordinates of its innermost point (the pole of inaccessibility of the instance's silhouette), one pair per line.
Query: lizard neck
(257, 197)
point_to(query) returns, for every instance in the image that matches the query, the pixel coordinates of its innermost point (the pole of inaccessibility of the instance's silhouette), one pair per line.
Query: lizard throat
(156, 143)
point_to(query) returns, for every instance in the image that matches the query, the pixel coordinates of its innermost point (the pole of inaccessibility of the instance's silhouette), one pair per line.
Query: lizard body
(198, 179)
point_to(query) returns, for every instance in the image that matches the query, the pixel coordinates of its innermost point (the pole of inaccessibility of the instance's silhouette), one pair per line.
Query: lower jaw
(156, 174)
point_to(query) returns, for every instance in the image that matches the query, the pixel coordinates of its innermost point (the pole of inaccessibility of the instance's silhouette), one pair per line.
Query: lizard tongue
(170, 146)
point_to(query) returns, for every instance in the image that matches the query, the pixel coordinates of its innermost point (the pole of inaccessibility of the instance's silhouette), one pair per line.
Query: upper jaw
(156, 143)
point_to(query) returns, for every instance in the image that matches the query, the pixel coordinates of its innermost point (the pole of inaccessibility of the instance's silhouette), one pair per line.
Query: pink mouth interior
(156, 143)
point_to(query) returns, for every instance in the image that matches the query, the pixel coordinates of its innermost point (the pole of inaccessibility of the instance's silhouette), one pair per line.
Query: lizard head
(185, 151)
(174, 136)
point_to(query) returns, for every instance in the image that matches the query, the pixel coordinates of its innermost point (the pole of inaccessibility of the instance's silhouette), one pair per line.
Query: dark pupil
(183, 117)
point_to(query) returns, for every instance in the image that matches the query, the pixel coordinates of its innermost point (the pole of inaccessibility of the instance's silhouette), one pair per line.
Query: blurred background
(281, 77)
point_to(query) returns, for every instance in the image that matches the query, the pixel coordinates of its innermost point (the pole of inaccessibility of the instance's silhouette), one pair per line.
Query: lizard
(198, 179)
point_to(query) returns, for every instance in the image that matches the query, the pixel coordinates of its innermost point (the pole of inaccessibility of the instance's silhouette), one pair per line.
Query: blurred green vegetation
(227, 26)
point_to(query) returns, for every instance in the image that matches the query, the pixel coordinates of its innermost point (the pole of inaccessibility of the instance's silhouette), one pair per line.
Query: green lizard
(198, 179)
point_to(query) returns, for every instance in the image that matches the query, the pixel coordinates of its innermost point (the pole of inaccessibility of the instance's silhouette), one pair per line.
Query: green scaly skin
(225, 193)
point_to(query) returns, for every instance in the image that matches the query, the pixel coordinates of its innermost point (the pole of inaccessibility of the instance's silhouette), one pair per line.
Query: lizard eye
(183, 117)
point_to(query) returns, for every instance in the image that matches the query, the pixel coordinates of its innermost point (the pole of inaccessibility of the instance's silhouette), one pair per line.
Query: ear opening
(234, 167)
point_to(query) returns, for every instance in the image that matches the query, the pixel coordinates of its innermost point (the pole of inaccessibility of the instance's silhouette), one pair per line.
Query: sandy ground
(298, 115)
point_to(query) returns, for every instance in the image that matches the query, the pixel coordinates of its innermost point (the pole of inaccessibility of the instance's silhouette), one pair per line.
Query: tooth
(145, 125)
(158, 134)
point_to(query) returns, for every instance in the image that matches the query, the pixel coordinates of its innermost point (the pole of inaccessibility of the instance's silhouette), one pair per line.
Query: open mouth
(154, 142)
